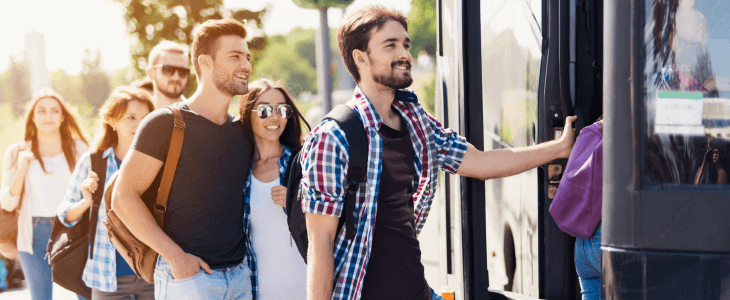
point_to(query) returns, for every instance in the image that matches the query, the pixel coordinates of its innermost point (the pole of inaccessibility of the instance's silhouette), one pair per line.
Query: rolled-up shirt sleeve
(73, 191)
(450, 147)
(7, 178)
(324, 159)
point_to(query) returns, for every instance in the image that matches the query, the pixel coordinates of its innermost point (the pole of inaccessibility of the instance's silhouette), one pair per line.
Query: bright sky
(72, 25)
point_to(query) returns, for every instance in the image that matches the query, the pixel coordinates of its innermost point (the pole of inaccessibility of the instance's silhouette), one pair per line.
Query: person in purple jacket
(577, 206)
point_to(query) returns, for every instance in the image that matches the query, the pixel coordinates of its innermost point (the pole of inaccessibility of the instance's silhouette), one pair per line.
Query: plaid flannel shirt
(324, 163)
(250, 251)
(100, 272)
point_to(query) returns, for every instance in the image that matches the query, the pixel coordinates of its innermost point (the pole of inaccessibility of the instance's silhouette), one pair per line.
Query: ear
(112, 125)
(151, 74)
(360, 58)
(205, 61)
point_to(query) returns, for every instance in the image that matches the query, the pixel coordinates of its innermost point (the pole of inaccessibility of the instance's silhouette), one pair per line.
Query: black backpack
(68, 248)
(356, 170)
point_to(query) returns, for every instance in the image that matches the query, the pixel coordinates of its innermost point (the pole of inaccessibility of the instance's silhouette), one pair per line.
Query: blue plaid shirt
(100, 272)
(250, 251)
(324, 162)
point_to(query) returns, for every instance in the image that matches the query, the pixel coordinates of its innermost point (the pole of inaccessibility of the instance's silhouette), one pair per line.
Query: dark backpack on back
(356, 170)
(69, 247)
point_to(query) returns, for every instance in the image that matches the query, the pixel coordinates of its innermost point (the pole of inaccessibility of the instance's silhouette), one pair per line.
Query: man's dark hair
(354, 34)
(206, 38)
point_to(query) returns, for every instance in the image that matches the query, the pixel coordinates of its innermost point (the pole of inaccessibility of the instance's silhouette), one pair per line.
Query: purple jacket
(577, 204)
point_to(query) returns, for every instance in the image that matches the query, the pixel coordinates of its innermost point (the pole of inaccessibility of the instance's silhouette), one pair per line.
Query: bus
(508, 74)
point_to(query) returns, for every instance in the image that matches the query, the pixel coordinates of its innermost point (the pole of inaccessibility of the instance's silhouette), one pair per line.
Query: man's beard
(170, 92)
(392, 80)
(227, 84)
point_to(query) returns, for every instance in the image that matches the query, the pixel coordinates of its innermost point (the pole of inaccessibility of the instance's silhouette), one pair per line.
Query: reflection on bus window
(712, 170)
(687, 92)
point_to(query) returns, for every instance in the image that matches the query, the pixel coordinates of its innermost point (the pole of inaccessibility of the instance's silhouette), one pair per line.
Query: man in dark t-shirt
(202, 243)
(406, 149)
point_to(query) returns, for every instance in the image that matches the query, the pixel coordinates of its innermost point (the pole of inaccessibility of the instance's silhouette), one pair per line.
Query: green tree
(150, 22)
(280, 63)
(17, 84)
(422, 27)
(292, 58)
(68, 86)
(95, 85)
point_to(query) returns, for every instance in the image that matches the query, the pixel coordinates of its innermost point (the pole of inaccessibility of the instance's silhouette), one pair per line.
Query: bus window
(686, 92)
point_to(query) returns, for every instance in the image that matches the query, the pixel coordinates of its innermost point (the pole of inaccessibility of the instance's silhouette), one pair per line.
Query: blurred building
(35, 57)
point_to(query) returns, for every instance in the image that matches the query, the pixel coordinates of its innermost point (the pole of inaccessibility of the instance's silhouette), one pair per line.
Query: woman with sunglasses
(35, 173)
(266, 113)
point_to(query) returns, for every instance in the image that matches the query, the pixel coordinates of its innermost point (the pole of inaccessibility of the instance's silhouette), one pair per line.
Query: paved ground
(59, 293)
(429, 258)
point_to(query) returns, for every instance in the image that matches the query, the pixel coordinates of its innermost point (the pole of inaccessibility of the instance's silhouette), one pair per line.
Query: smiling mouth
(242, 77)
(272, 127)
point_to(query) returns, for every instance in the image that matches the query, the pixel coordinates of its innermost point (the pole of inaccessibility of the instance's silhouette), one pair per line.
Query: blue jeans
(588, 265)
(224, 284)
(36, 269)
(435, 296)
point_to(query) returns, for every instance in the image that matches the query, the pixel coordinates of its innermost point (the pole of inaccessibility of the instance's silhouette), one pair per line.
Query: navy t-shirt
(204, 213)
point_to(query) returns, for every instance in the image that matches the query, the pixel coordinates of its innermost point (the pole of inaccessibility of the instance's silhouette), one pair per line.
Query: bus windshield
(686, 92)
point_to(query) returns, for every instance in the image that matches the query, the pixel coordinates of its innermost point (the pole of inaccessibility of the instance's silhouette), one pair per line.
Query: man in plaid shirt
(407, 146)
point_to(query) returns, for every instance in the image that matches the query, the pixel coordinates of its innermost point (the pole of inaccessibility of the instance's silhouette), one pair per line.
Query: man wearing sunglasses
(168, 70)
(204, 247)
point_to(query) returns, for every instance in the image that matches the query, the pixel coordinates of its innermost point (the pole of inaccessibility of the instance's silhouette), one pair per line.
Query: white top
(25, 221)
(282, 273)
(51, 186)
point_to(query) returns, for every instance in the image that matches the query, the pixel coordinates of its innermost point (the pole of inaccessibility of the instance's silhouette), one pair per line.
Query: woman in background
(107, 273)
(36, 171)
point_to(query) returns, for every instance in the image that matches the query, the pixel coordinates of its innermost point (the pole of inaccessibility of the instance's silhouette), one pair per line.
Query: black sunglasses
(264, 110)
(169, 70)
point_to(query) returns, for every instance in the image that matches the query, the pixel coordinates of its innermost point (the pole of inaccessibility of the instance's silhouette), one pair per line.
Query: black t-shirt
(395, 270)
(205, 210)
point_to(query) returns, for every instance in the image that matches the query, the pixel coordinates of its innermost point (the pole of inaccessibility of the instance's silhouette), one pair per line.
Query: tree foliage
(314, 4)
(292, 57)
(17, 84)
(95, 85)
(422, 27)
(68, 86)
(152, 21)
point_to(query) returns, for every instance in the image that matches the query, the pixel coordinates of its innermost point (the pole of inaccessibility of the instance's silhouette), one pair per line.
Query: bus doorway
(509, 72)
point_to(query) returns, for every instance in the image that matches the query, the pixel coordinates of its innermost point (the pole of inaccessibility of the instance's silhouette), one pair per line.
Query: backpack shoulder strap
(168, 173)
(98, 166)
(357, 165)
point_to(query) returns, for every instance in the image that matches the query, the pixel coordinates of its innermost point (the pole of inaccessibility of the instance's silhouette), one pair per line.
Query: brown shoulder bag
(140, 257)
(9, 222)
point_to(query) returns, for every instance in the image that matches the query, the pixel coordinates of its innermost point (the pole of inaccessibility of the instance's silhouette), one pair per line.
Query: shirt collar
(368, 114)
(107, 152)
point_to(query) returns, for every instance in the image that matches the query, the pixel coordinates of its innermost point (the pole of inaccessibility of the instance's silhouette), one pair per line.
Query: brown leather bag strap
(173, 155)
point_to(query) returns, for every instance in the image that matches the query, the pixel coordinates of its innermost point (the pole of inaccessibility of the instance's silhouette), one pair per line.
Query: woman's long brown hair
(69, 129)
(113, 110)
(292, 131)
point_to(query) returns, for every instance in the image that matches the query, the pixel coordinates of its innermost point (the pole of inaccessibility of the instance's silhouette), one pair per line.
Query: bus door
(509, 72)
(666, 199)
